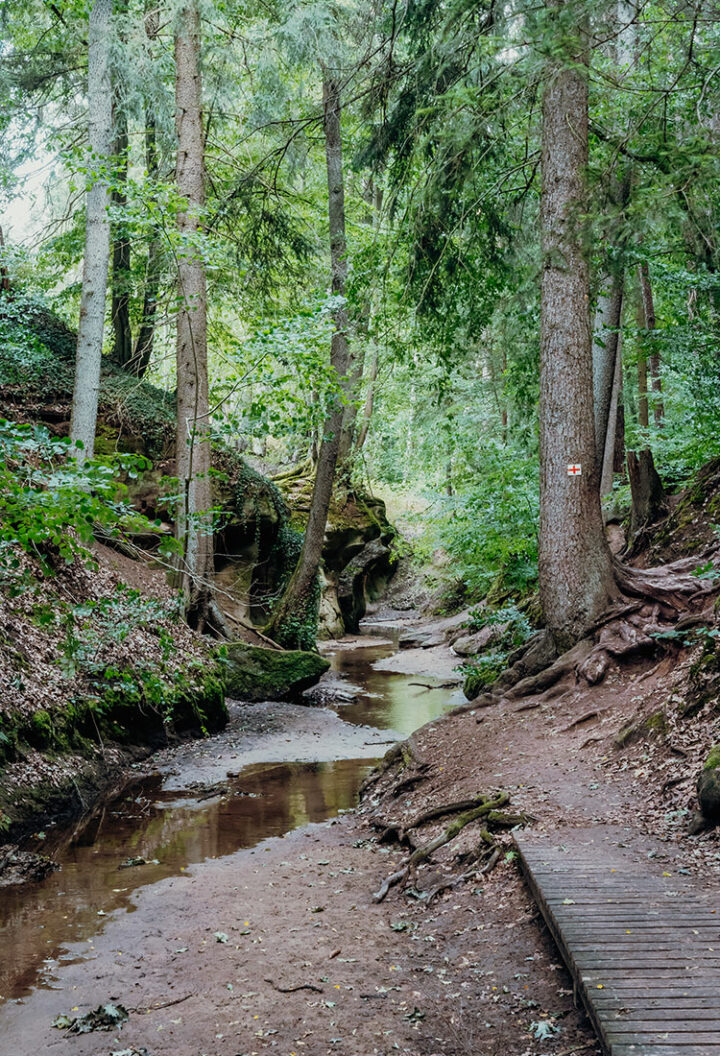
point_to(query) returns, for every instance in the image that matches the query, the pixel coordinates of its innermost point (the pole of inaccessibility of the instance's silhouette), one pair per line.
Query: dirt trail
(313, 965)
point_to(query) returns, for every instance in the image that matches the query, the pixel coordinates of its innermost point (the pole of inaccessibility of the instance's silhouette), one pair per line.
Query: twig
(165, 1004)
(294, 989)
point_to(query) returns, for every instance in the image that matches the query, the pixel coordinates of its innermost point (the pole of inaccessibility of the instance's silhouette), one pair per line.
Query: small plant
(513, 629)
(50, 505)
(517, 626)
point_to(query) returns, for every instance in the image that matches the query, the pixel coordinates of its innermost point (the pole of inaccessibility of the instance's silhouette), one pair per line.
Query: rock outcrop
(255, 674)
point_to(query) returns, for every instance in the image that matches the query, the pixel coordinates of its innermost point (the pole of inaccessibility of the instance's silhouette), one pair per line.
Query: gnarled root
(404, 755)
(483, 810)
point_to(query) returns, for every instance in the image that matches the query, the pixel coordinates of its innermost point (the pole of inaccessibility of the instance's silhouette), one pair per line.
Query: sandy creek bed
(252, 927)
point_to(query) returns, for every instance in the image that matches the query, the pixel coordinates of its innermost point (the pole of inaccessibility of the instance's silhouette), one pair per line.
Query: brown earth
(312, 964)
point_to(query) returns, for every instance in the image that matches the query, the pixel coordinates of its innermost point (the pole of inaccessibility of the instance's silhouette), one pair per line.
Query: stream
(160, 826)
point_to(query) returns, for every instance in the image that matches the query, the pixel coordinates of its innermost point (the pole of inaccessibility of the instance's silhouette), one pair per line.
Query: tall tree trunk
(575, 566)
(612, 434)
(194, 519)
(294, 621)
(369, 401)
(122, 350)
(97, 234)
(4, 276)
(373, 196)
(642, 372)
(607, 338)
(153, 269)
(654, 357)
(606, 330)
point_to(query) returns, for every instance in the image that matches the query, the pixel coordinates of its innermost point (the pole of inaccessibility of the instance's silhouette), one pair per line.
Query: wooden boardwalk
(643, 949)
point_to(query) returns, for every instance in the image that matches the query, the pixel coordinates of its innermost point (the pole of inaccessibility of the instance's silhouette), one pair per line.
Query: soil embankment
(281, 947)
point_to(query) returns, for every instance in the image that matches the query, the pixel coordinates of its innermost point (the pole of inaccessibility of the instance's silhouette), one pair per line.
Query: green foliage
(490, 529)
(516, 626)
(514, 629)
(49, 506)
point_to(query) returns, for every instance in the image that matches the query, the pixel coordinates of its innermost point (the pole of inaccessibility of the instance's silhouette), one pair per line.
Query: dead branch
(294, 989)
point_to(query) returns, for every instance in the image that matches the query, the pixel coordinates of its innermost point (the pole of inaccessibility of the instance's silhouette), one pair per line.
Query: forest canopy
(198, 139)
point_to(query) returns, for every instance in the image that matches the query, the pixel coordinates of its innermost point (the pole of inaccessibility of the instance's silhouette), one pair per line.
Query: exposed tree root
(578, 722)
(674, 585)
(402, 753)
(297, 472)
(564, 665)
(422, 853)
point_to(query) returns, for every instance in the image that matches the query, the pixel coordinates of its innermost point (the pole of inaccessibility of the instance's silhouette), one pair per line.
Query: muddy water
(385, 699)
(171, 831)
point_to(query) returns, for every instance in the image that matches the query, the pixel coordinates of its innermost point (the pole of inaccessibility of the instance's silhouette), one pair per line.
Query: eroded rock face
(363, 579)
(473, 644)
(708, 787)
(255, 674)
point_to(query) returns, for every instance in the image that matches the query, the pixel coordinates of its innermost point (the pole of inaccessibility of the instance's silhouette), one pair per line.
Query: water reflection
(385, 699)
(171, 833)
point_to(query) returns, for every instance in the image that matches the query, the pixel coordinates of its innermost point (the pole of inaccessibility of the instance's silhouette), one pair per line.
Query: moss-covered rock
(708, 786)
(651, 727)
(255, 674)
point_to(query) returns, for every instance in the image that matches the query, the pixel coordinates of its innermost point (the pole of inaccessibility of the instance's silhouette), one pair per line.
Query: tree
(575, 566)
(97, 232)
(192, 449)
(293, 623)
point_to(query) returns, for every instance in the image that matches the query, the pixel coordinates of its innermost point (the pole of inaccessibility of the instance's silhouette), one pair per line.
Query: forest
(359, 386)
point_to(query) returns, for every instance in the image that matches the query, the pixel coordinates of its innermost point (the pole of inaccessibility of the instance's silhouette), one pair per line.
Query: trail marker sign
(574, 469)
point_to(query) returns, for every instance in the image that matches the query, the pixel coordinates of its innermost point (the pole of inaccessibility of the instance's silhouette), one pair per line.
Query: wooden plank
(678, 1026)
(689, 1038)
(671, 1049)
(643, 949)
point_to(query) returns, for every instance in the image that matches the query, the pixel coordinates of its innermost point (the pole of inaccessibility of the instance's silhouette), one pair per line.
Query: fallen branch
(435, 685)
(294, 989)
(165, 1004)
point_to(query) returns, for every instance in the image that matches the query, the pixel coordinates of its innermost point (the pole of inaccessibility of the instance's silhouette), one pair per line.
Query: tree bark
(654, 357)
(120, 314)
(194, 518)
(293, 624)
(642, 372)
(575, 567)
(348, 440)
(97, 234)
(369, 401)
(649, 502)
(606, 329)
(612, 435)
(142, 353)
(4, 276)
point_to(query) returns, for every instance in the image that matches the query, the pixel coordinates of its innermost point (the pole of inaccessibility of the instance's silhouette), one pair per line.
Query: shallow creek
(172, 827)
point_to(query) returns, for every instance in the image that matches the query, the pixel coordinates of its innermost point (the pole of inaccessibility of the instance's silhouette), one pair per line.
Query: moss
(656, 723)
(651, 727)
(255, 674)
(713, 760)
(478, 679)
(43, 733)
(124, 718)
